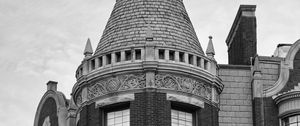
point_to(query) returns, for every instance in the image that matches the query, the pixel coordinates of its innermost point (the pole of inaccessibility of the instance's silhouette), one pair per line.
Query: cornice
(143, 66)
(286, 96)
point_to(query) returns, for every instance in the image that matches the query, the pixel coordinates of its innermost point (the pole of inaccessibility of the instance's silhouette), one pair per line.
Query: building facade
(149, 69)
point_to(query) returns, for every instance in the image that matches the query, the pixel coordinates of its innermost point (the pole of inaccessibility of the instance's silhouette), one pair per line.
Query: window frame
(171, 55)
(286, 120)
(184, 107)
(113, 108)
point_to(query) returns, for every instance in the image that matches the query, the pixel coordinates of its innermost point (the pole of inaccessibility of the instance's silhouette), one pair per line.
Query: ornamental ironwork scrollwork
(184, 84)
(118, 83)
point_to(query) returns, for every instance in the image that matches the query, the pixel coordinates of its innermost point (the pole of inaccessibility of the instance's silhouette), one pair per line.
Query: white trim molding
(286, 65)
(60, 104)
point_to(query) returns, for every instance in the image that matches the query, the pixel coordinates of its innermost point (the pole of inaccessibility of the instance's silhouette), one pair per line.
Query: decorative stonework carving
(118, 83)
(79, 99)
(184, 84)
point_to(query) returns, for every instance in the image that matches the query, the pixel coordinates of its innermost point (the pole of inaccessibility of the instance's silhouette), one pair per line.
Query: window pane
(181, 115)
(181, 122)
(118, 114)
(189, 117)
(174, 113)
(126, 124)
(138, 54)
(189, 124)
(110, 121)
(110, 115)
(293, 119)
(171, 55)
(180, 118)
(125, 118)
(174, 124)
(118, 118)
(118, 124)
(161, 54)
(126, 112)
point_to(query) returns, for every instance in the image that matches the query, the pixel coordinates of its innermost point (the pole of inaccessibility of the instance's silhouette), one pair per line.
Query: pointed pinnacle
(88, 48)
(210, 47)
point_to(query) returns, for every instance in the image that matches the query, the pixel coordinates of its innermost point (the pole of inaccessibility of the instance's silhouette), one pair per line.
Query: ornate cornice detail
(138, 81)
(292, 94)
(286, 96)
(79, 99)
(184, 84)
(118, 83)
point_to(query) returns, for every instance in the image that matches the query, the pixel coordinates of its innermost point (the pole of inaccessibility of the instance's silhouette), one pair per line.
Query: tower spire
(210, 51)
(88, 51)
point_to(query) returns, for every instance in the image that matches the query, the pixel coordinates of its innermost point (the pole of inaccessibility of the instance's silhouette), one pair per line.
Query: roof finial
(88, 51)
(210, 51)
(149, 33)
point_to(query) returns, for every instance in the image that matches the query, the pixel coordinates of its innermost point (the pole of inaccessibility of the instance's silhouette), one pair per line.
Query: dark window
(198, 61)
(100, 61)
(181, 56)
(77, 74)
(138, 54)
(128, 55)
(93, 64)
(171, 55)
(191, 59)
(108, 59)
(205, 64)
(118, 56)
(161, 53)
(81, 71)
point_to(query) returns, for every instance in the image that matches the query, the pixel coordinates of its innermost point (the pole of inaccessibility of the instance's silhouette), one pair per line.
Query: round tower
(148, 69)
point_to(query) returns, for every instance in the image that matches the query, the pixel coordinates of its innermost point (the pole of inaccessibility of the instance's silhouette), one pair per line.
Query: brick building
(149, 69)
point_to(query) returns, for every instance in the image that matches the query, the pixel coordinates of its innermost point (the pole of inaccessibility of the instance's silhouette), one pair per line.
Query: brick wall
(236, 99)
(270, 70)
(208, 116)
(150, 108)
(90, 116)
(243, 45)
(265, 112)
(49, 109)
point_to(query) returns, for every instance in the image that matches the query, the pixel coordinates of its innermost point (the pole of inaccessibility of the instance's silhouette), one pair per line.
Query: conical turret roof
(130, 20)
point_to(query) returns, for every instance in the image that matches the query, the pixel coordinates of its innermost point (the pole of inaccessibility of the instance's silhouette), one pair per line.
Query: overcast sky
(43, 40)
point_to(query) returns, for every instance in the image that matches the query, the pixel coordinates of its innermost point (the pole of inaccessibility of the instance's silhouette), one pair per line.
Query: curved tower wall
(150, 62)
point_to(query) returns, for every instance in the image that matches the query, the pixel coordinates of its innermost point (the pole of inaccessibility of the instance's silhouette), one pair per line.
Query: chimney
(241, 40)
(52, 85)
